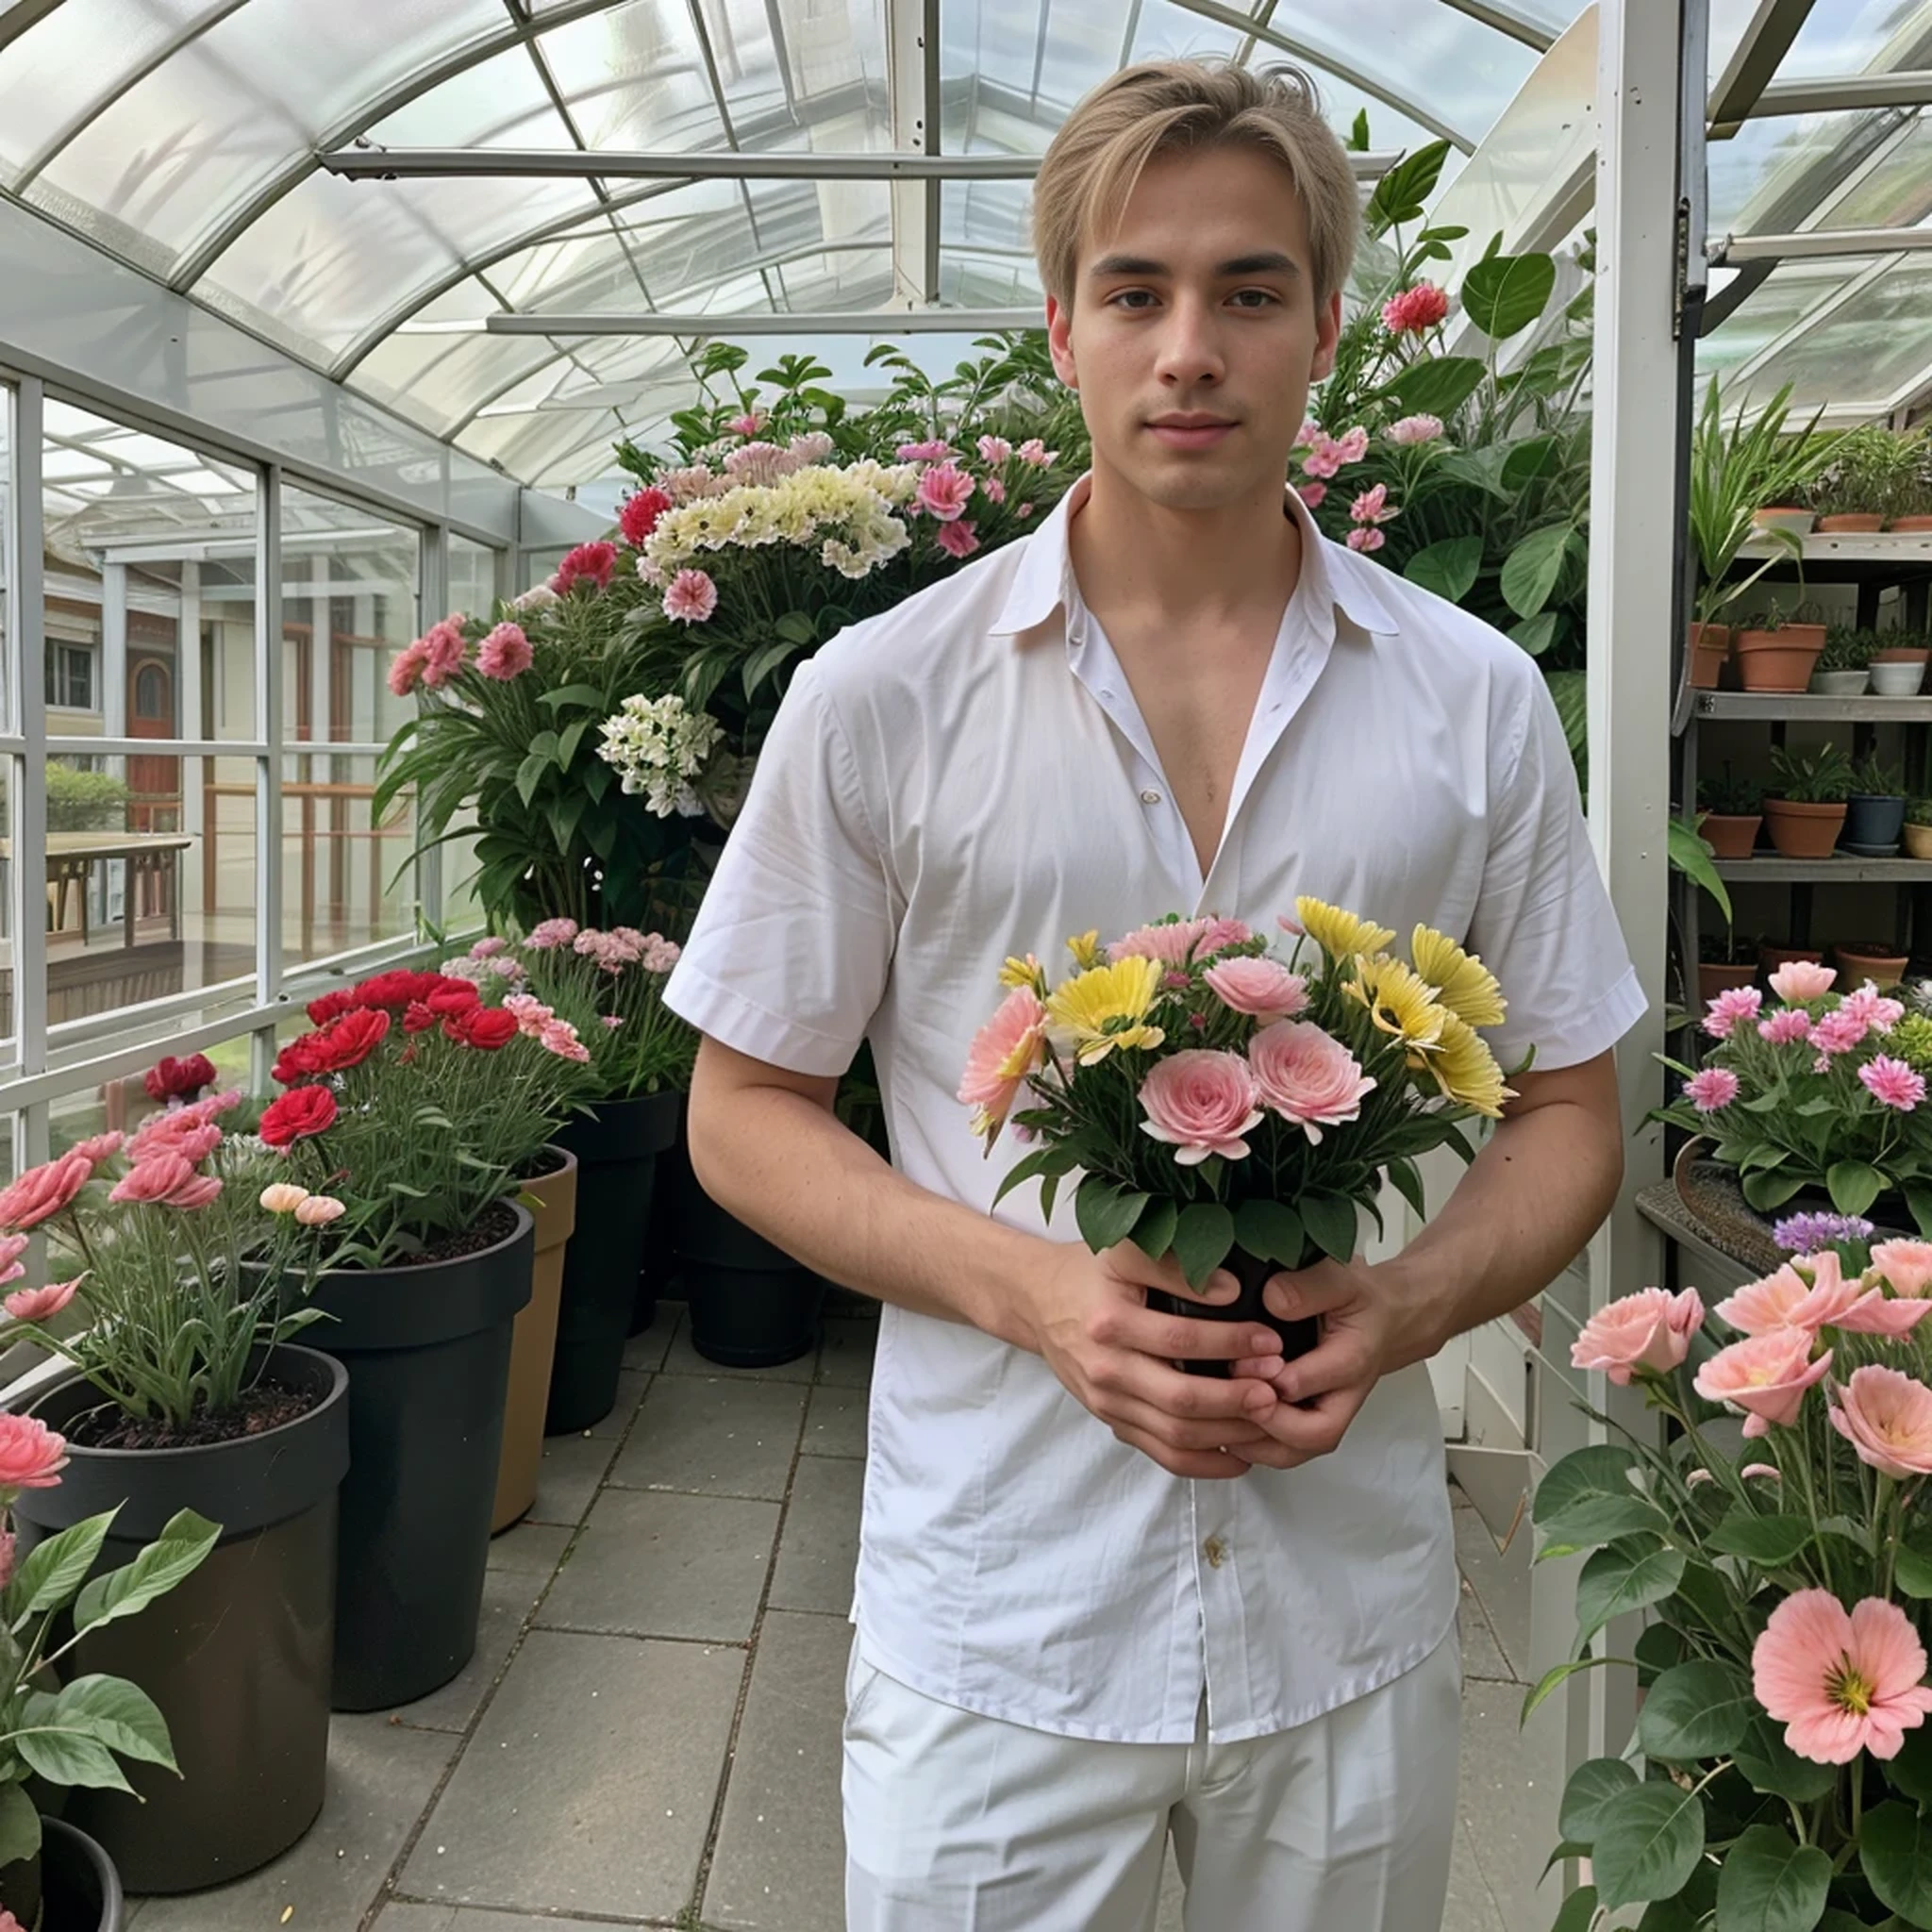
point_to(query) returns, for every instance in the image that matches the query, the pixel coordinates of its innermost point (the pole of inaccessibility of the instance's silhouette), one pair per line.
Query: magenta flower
(1735, 1004)
(1311, 495)
(945, 491)
(1366, 539)
(1414, 309)
(1263, 988)
(1200, 1101)
(1308, 1077)
(1414, 429)
(1786, 1025)
(1713, 1089)
(1648, 1331)
(692, 597)
(640, 514)
(1892, 1082)
(1840, 1681)
(505, 653)
(957, 538)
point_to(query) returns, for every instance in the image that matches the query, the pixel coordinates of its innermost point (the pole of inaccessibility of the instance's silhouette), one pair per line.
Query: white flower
(657, 746)
(536, 597)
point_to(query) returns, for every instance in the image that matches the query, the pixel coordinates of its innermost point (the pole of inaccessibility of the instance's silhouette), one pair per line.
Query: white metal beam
(28, 671)
(1505, 19)
(1845, 93)
(1811, 243)
(912, 84)
(842, 322)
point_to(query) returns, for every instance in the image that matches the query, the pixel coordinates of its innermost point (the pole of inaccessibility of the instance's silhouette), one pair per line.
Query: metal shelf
(1848, 868)
(1774, 707)
(1911, 548)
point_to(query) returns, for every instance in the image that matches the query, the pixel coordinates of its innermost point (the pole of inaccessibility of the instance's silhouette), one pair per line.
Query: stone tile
(707, 1436)
(666, 1566)
(532, 1548)
(590, 1784)
(1470, 1907)
(401, 1916)
(631, 1384)
(780, 1859)
(1501, 1580)
(835, 1421)
(508, 1598)
(820, 1549)
(567, 1478)
(845, 1353)
(647, 1351)
(1508, 1796)
(1482, 1656)
(380, 1777)
(683, 1359)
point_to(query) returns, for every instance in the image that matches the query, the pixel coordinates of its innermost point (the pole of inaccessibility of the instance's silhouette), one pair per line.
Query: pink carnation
(549, 933)
(1200, 1101)
(1311, 495)
(1711, 1090)
(944, 492)
(992, 490)
(1323, 459)
(957, 539)
(1892, 1082)
(443, 651)
(1879, 1012)
(931, 452)
(1366, 539)
(12, 1246)
(1733, 1005)
(1413, 429)
(691, 598)
(1307, 1077)
(505, 653)
(1371, 506)
(1649, 1330)
(31, 1455)
(1263, 988)
(1354, 445)
(1414, 309)
(588, 563)
(1798, 980)
(1036, 454)
(1786, 1025)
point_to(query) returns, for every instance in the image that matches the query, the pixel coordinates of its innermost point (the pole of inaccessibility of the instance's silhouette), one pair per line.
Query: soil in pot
(1710, 645)
(551, 1195)
(1804, 831)
(751, 1304)
(1729, 837)
(1780, 660)
(1253, 1274)
(237, 1656)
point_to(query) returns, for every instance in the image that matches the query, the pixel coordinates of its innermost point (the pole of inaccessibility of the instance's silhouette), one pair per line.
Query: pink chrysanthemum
(1892, 1082)
(505, 653)
(1841, 1682)
(1732, 1007)
(1785, 1026)
(1713, 1089)
(692, 597)
(1414, 309)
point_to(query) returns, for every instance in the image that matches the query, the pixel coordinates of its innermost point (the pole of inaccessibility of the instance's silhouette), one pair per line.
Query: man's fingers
(1314, 1428)
(1316, 1291)
(1233, 1433)
(1183, 1338)
(1338, 1360)
(1129, 1264)
(1202, 1465)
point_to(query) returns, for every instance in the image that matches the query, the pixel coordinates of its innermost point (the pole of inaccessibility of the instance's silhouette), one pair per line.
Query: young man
(1101, 1600)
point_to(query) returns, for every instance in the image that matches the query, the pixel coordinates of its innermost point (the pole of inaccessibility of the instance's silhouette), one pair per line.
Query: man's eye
(1261, 297)
(1135, 298)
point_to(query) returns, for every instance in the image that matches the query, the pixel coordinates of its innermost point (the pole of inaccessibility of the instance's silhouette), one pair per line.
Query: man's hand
(1087, 1314)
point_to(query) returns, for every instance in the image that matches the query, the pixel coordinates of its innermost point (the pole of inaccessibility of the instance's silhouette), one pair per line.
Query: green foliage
(1720, 793)
(1847, 648)
(1821, 776)
(1873, 777)
(1871, 470)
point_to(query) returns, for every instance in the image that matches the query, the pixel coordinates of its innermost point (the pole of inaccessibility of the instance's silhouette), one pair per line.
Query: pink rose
(42, 1191)
(31, 1455)
(1200, 1101)
(945, 491)
(1798, 980)
(1263, 988)
(37, 1304)
(691, 598)
(1649, 1330)
(1307, 1077)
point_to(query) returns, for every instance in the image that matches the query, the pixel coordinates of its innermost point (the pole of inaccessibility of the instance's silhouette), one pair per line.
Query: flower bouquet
(1822, 1090)
(1781, 1771)
(1225, 1106)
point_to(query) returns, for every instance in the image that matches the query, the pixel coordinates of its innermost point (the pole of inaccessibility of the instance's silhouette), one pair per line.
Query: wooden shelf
(1773, 707)
(1846, 869)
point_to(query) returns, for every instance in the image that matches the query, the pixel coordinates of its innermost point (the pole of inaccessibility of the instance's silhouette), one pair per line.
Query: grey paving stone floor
(648, 1734)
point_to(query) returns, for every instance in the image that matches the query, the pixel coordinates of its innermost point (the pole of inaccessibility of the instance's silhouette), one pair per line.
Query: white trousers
(957, 1822)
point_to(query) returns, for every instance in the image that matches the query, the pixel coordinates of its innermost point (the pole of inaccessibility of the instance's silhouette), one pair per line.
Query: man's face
(1193, 334)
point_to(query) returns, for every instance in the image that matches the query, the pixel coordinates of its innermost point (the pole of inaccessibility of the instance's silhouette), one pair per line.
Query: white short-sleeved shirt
(968, 777)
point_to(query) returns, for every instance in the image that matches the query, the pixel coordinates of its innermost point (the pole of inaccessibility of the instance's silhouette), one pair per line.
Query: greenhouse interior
(461, 465)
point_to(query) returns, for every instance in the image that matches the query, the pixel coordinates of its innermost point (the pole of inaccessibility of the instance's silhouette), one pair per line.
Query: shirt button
(1215, 1551)
(1150, 796)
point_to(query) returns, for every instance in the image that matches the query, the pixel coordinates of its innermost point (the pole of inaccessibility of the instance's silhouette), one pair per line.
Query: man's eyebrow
(1265, 261)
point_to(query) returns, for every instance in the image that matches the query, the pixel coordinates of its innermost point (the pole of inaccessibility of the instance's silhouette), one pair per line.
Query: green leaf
(1895, 1849)
(1853, 1186)
(1649, 1840)
(1699, 1709)
(1401, 194)
(1535, 635)
(1602, 1519)
(1270, 1231)
(567, 740)
(1528, 459)
(1531, 570)
(1408, 1182)
(1909, 1773)
(1448, 567)
(1040, 1162)
(1690, 856)
(1770, 1542)
(574, 694)
(1768, 1190)
(1504, 294)
(70, 1757)
(1578, 1911)
(1919, 1199)
(1437, 387)
(531, 774)
(119, 1715)
(1627, 1575)
(20, 1825)
(765, 661)
(1154, 1232)
(180, 1549)
(1106, 1214)
(1591, 1786)
(1202, 1238)
(55, 1569)
(794, 627)
(1552, 1678)
(1772, 1765)
(1332, 1223)
(1601, 1469)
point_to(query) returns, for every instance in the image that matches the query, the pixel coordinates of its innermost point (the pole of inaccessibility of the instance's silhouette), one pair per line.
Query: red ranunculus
(176, 1079)
(417, 1017)
(331, 1006)
(301, 1111)
(488, 1027)
(452, 996)
(397, 988)
(297, 1061)
(348, 1042)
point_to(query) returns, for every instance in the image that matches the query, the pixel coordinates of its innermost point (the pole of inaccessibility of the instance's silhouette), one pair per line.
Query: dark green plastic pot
(751, 1304)
(1253, 1274)
(671, 1183)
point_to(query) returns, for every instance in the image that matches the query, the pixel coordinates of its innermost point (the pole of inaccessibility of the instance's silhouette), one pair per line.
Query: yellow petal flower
(1466, 1071)
(1462, 982)
(1340, 934)
(1105, 1008)
(1400, 1002)
(1027, 971)
(1086, 949)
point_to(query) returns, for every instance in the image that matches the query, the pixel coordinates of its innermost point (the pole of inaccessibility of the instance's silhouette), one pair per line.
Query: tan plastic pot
(1710, 646)
(1852, 523)
(1713, 979)
(1855, 967)
(1804, 831)
(1918, 840)
(1730, 837)
(1901, 654)
(552, 1199)
(1778, 660)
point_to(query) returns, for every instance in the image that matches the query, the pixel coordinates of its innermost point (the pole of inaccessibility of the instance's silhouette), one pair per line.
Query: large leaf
(1648, 1843)
(1269, 1230)
(1630, 1574)
(1769, 1884)
(1772, 1765)
(1601, 1469)
(1578, 1913)
(20, 1825)
(1448, 568)
(1332, 1223)
(531, 774)
(1601, 1520)
(1537, 634)
(1531, 570)
(1439, 386)
(54, 1569)
(1504, 294)
(181, 1548)
(1403, 193)
(1770, 1542)
(1909, 1773)
(1528, 459)
(70, 1757)
(1765, 1192)
(1853, 1186)
(117, 1714)
(1700, 1710)
(1569, 693)
(1895, 1849)
(1154, 1232)
(1690, 856)
(1202, 1238)
(1591, 1786)
(1106, 1214)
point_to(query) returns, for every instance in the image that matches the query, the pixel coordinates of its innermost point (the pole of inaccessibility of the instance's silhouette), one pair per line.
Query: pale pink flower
(100, 1147)
(1023, 512)
(1887, 1418)
(1764, 1375)
(1413, 429)
(1839, 1031)
(536, 598)
(1879, 1012)
(944, 492)
(1220, 934)
(560, 1037)
(505, 653)
(1263, 988)
(199, 1189)
(1731, 1006)
(1200, 1101)
(1905, 1264)
(548, 933)
(1841, 1682)
(317, 1210)
(406, 668)
(1648, 1330)
(1311, 495)
(1693, 1477)
(489, 946)
(283, 1197)
(1003, 1052)
(1810, 1293)
(42, 1191)
(1366, 539)
(1308, 433)
(691, 598)
(443, 651)
(1798, 980)
(747, 425)
(1036, 453)
(1354, 445)
(933, 450)
(613, 1021)
(1414, 309)
(1785, 1026)
(1892, 1082)
(12, 1246)
(957, 539)
(1752, 1472)
(1713, 1089)
(1307, 1077)
(813, 446)
(1173, 941)
(995, 449)
(1371, 506)
(992, 490)
(31, 1455)
(1323, 459)
(1877, 1313)
(37, 1304)
(759, 463)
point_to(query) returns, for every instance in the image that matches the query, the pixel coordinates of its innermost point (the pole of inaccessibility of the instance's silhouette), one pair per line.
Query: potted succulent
(1731, 811)
(1854, 491)
(1845, 666)
(1776, 653)
(1805, 811)
(58, 1730)
(1898, 663)
(419, 1106)
(188, 1392)
(1861, 959)
(1917, 831)
(1876, 810)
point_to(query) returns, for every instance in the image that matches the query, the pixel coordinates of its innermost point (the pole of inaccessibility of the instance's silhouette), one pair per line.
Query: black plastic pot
(1873, 819)
(237, 1656)
(427, 1351)
(81, 1887)
(1297, 1338)
(617, 1148)
(752, 1306)
(671, 1183)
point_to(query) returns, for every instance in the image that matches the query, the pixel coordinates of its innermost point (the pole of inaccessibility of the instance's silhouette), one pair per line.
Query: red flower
(486, 1027)
(640, 514)
(417, 1017)
(297, 1061)
(454, 997)
(395, 989)
(176, 1080)
(346, 1043)
(301, 1111)
(331, 1006)
(588, 563)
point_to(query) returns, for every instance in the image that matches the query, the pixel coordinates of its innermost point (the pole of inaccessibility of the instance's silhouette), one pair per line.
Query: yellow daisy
(1340, 934)
(1107, 1006)
(1400, 1002)
(1466, 1070)
(1462, 982)
(1086, 948)
(1027, 971)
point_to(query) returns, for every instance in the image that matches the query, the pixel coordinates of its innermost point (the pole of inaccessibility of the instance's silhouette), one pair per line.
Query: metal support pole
(25, 575)
(269, 652)
(434, 595)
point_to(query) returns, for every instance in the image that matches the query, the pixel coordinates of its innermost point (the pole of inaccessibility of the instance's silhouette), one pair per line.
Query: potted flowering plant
(1804, 810)
(58, 1728)
(188, 1392)
(1231, 1107)
(1784, 1763)
(419, 1104)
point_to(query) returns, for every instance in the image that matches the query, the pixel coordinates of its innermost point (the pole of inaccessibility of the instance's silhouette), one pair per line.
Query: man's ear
(1060, 341)
(1327, 333)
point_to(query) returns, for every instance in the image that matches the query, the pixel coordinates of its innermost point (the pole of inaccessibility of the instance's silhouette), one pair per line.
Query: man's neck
(1131, 553)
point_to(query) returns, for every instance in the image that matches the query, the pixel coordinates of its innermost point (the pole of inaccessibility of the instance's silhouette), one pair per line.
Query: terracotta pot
(1856, 966)
(1710, 645)
(1852, 523)
(1783, 516)
(1804, 831)
(552, 1199)
(1901, 654)
(1730, 837)
(1713, 979)
(1906, 526)
(1779, 660)
(1918, 840)
(1770, 958)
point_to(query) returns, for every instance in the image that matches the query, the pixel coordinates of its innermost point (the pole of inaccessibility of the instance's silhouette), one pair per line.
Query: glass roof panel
(1895, 192)
(1866, 350)
(1793, 290)
(500, 102)
(1849, 35)
(1773, 174)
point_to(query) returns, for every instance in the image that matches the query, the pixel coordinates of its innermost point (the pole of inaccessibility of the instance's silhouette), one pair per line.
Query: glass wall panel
(5, 553)
(1865, 350)
(1793, 290)
(1896, 192)
(472, 577)
(346, 881)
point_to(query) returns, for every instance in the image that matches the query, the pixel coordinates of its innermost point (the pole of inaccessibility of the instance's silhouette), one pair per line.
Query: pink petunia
(1414, 309)
(1003, 1052)
(1887, 1418)
(1841, 1682)
(1263, 988)
(944, 492)
(692, 597)
(1650, 1330)
(1308, 1077)
(1786, 1025)
(1366, 539)
(505, 653)
(1798, 980)
(1766, 1375)
(1414, 429)
(1892, 1082)
(1200, 1103)
(1711, 1090)
(995, 449)
(1730, 1008)
(957, 539)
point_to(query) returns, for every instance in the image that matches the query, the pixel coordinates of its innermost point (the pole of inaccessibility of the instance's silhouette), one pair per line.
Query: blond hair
(1163, 106)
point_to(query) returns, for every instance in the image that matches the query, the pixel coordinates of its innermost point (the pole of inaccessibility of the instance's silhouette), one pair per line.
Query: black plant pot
(1297, 1338)
(427, 1351)
(671, 1183)
(79, 1884)
(1873, 819)
(617, 1148)
(237, 1656)
(752, 1306)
